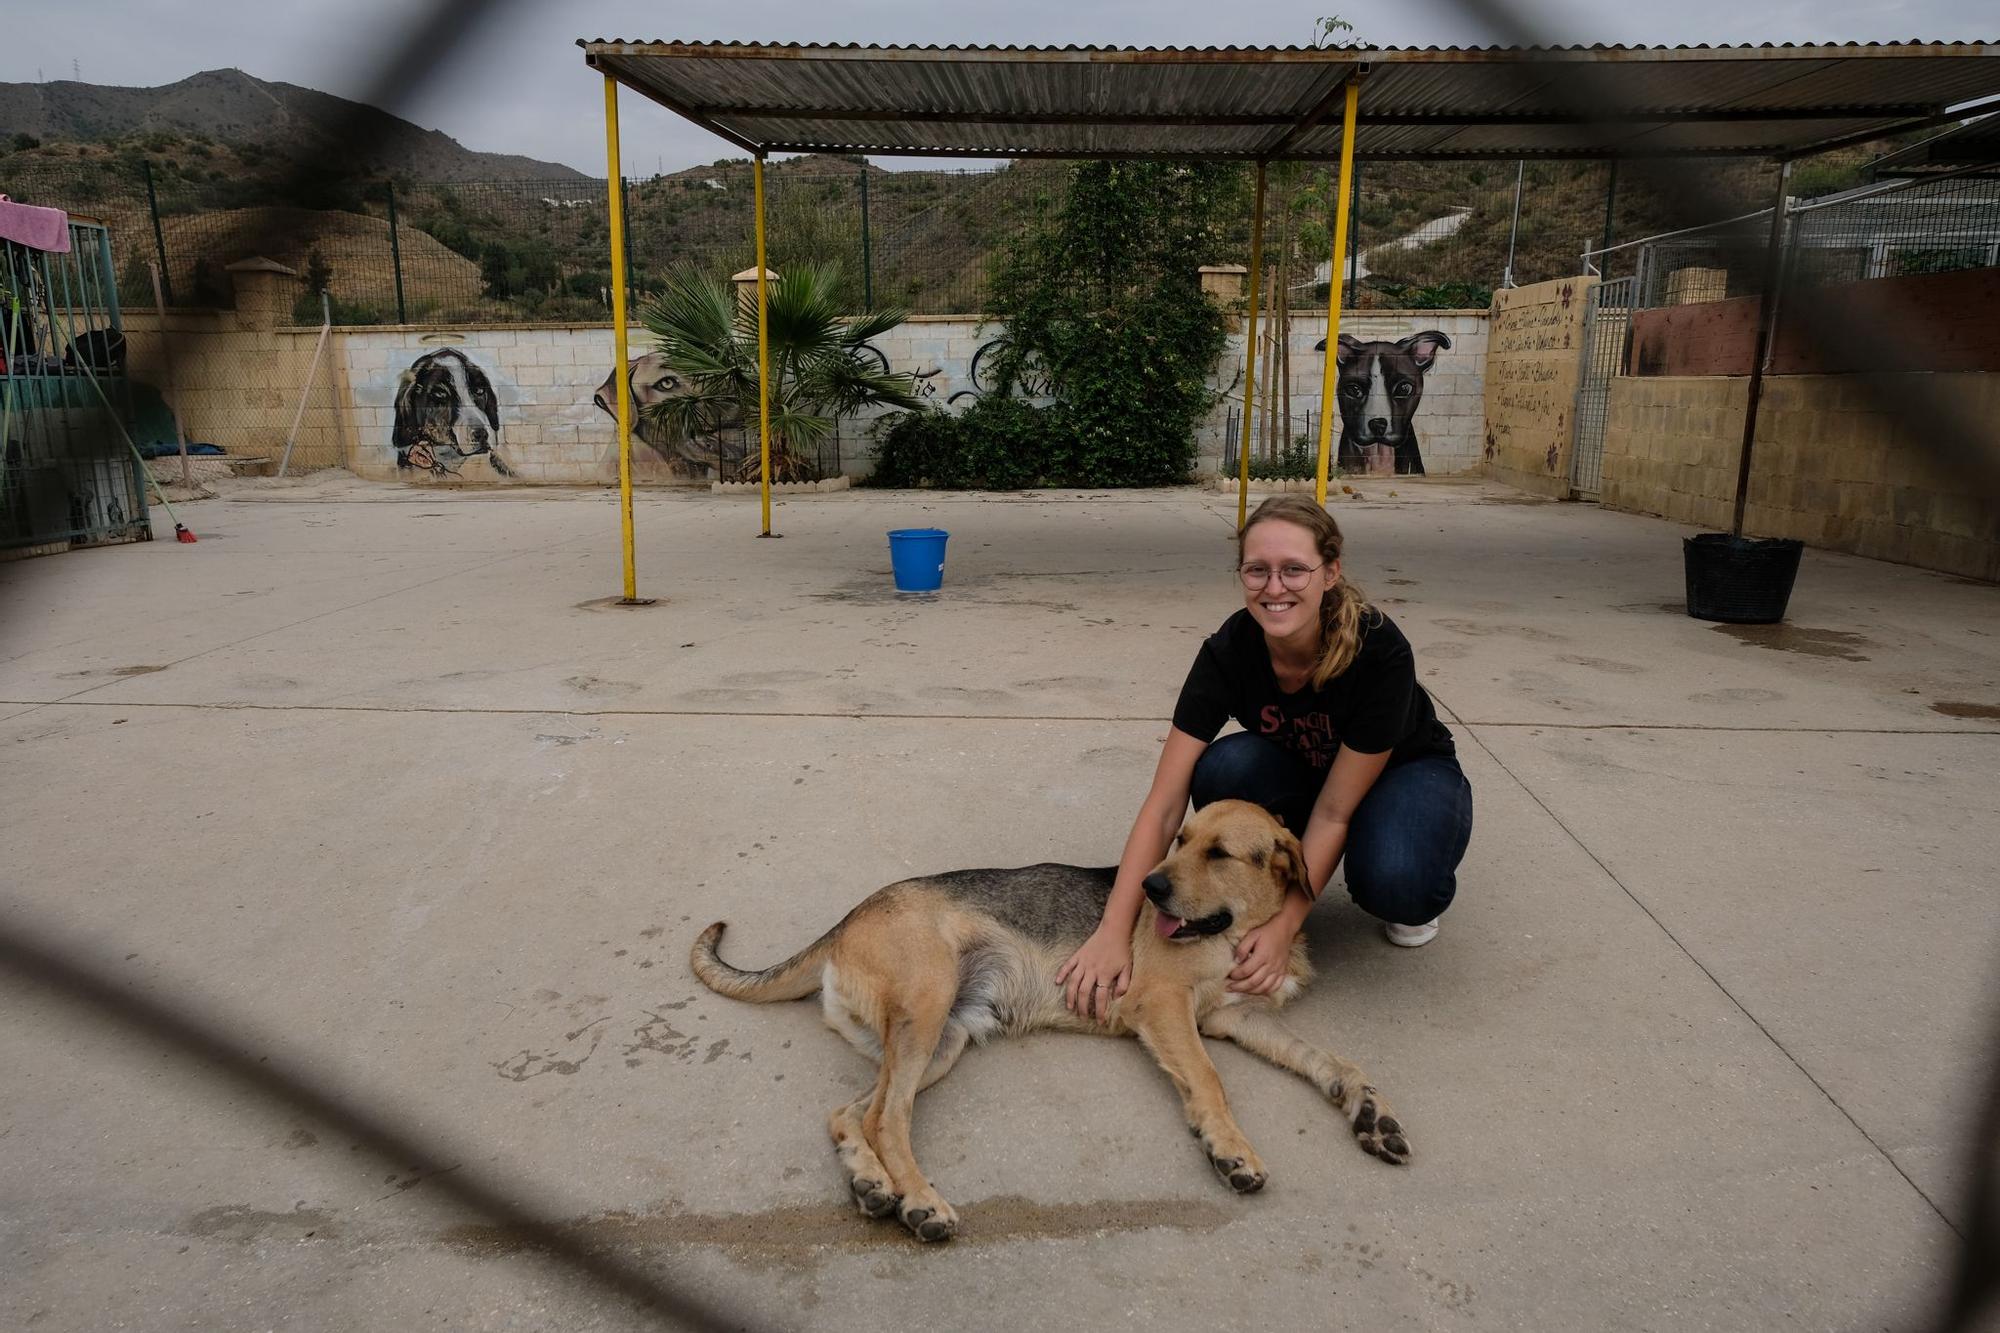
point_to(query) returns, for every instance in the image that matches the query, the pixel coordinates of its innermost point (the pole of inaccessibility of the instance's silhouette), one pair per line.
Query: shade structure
(1276, 103)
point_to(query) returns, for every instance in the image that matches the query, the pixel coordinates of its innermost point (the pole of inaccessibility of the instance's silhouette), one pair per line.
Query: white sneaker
(1411, 937)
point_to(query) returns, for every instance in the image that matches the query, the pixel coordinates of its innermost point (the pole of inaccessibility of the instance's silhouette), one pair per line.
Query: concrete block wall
(544, 379)
(1450, 420)
(1834, 465)
(238, 387)
(1534, 358)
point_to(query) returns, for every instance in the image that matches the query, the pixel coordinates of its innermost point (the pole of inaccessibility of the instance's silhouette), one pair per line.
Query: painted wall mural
(1380, 388)
(446, 413)
(652, 381)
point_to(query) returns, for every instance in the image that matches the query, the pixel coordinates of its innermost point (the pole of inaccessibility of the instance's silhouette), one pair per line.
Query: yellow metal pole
(763, 351)
(618, 336)
(1329, 371)
(1250, 353)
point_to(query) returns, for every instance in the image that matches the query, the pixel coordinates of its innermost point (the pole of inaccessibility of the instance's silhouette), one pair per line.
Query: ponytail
(1340, 619)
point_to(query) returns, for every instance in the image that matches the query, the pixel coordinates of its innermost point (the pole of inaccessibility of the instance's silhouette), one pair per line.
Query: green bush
(996, 444)
(1295, 462)
(1101, 299)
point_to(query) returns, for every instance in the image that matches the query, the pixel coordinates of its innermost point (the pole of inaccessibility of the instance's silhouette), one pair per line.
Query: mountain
(231, 107)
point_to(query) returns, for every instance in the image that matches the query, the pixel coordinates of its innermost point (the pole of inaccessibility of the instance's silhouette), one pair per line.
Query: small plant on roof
(819, 370)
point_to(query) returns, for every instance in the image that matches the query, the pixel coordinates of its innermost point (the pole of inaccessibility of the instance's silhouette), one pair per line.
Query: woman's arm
(1106, 957)
(1264, 954)
(1326, 828)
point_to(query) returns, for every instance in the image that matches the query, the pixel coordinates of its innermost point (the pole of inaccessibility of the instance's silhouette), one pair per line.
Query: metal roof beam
(1869, 136)
(1301, 125)
(672, 104)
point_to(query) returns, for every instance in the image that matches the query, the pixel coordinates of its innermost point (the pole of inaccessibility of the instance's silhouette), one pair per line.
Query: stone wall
(1834, 464)
(236, 378)
(1534, 356)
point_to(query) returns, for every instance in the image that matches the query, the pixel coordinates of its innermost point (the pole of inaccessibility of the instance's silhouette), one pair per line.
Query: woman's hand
(1264, 956)
(1097, 974)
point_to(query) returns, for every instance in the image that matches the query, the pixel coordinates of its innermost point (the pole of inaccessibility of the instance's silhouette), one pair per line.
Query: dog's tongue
(1165, 924)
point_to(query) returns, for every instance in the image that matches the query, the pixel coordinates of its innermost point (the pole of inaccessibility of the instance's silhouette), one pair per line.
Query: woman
(1340, 742)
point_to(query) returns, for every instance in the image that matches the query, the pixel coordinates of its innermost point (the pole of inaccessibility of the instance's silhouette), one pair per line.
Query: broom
(181, 533)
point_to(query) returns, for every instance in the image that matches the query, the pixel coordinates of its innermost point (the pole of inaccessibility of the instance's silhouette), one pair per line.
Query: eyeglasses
(1256, 574)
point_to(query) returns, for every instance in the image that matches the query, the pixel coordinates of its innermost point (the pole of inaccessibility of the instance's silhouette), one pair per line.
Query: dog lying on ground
(927, 965)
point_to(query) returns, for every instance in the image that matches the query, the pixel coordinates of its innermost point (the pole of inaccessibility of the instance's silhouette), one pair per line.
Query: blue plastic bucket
(917, 555)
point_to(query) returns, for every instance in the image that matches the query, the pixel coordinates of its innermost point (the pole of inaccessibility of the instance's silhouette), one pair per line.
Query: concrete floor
(372, 787)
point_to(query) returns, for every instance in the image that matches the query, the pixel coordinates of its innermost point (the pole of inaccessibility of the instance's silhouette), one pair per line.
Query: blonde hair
(1342, 610)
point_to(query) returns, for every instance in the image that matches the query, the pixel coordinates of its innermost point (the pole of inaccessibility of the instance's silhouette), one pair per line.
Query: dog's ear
(1349, 348)
(1424, 347)
(408, 429)
(1288, 863)
(482, 393)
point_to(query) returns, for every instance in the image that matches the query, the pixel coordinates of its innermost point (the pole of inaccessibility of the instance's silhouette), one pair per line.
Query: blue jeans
(1405, 840)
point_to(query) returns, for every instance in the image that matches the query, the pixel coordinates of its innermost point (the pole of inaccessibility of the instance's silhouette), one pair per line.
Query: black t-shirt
(1374, 705)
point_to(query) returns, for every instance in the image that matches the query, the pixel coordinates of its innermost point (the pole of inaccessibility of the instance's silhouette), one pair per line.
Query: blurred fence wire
(399, 250)
(403, 251)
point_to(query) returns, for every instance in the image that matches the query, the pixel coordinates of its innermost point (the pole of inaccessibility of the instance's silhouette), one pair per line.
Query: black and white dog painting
(445, 414)
(1380, 388)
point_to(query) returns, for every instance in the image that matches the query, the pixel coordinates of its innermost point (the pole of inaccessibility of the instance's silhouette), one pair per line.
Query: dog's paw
(873, 1197)
(929, 1219)
(1379, 1133)
(1244, 1174)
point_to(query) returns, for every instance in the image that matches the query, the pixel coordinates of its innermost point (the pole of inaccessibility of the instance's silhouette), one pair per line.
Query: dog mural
(1381, 385)
(446, 413)
(654, 381)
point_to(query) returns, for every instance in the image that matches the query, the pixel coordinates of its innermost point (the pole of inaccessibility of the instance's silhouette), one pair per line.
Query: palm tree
(819, 367)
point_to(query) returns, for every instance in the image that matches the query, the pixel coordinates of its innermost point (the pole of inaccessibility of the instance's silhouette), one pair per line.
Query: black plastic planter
(1740, 580)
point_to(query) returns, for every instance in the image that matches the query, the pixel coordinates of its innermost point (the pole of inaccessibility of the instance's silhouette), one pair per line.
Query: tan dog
(924, 966)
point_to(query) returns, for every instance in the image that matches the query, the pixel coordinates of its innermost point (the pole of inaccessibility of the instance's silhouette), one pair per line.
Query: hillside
(228, 106)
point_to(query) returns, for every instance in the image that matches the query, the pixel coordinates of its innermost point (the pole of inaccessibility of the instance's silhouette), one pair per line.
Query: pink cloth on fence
(36, 228)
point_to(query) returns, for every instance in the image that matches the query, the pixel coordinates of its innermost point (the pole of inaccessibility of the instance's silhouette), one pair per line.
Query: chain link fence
(1422, 235)
(391, 252)
(1894, 229)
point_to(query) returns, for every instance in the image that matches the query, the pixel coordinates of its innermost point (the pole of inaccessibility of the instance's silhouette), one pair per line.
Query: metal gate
(68, 476)
(1606, 321)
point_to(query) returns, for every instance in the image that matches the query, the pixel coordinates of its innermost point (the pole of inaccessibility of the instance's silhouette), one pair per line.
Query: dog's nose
(1158, 888)
(1378, 425)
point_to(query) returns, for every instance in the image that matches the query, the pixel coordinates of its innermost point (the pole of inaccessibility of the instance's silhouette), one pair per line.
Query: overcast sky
(517, 83)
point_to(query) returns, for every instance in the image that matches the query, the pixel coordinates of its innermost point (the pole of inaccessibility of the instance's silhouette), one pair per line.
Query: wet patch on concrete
(242, 1223)
(725, 698)
(592, 685)
(1973, 712)
(1785, 638)
(1737, 696)
(1652, 608)
(802, 1236)
(113, 671)
(1481, 629)
(619, 604)
(1604, 664)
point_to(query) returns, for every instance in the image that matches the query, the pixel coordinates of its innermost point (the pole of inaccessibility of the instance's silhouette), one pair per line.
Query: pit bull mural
(1380, 387)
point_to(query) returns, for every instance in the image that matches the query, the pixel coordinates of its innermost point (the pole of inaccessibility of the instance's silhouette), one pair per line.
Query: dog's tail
(793, 979)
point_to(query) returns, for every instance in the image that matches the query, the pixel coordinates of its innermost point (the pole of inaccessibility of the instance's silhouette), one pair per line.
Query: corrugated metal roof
(1244, 102)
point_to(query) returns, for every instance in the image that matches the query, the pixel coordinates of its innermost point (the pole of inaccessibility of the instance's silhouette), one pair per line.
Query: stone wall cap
(750, 275)
(259, 265)
(1223, 268)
